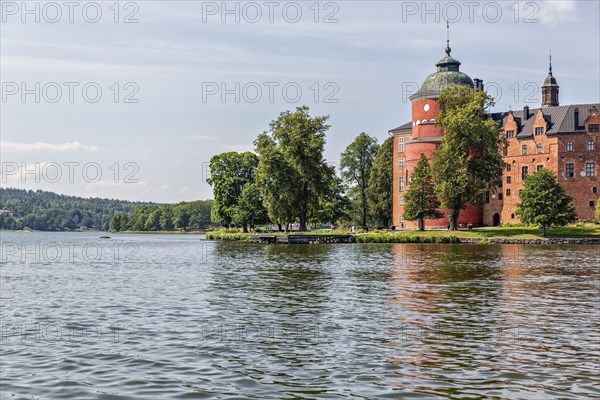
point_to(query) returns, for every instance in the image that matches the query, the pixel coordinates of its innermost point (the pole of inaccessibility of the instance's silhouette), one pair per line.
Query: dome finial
(448, 49)
(550, 69)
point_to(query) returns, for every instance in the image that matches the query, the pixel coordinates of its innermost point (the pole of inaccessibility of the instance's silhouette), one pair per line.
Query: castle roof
(560, 119)
(447, 74)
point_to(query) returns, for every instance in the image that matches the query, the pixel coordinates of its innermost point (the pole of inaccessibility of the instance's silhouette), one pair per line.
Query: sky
(130, 100)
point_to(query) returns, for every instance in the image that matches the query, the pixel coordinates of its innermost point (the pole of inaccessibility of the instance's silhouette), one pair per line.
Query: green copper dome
(448, 74)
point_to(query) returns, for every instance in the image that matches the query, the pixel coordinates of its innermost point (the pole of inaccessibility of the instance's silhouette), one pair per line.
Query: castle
(564, 139)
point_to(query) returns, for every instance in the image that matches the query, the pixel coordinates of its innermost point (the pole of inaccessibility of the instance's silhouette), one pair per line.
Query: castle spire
(448, 49)
(550, 88)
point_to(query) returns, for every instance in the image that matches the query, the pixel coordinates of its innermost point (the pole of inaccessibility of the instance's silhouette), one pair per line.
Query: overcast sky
(184, 80)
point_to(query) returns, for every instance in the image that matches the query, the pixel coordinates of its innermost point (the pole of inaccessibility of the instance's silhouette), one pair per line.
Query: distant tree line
(48, 211)
(287, 179)
(193, 215)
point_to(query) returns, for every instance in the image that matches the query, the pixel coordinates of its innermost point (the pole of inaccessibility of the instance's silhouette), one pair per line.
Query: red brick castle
(564, 139)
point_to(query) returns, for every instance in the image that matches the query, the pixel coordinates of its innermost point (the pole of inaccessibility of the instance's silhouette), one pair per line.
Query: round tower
(425, 136)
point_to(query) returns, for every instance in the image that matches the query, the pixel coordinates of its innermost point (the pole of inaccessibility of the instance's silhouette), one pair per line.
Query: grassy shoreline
(577, 231)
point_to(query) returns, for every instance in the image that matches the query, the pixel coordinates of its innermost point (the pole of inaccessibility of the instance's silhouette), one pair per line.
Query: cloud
(19, 147)
(557, 12)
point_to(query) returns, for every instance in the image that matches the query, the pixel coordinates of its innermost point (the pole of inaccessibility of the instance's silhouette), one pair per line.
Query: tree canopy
(379, 189)
(468, 162)
(544, 201)
(294, 177)
(420, 200)
(355, 163)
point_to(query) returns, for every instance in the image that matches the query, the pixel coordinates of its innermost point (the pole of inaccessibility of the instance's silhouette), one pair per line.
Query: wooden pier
(301, 239)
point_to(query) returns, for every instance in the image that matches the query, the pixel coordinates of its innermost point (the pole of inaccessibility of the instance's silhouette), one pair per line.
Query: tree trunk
(364, 209)
(421, 224)
(544, 226)
(454, 219)
(302, 222)
(245, 228)
(280, 227)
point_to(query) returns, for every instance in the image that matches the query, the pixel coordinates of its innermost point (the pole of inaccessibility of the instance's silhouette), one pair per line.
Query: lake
(177, 317)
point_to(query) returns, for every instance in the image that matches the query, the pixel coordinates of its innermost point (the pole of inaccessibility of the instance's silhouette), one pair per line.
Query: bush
(386, 237)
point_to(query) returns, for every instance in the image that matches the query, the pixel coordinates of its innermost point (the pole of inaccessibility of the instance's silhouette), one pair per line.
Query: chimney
(525, 113)
(478, 84)
(576, 118)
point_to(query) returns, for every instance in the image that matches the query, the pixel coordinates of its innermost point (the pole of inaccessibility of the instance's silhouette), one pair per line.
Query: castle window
(512, 216)
(401, 184)
(539, 131)
(524, 172)
(500, 196)
(401, 144)
(507, 167)
(594, 127)
(401, 200)
(540, 148)
(592, 204)
(508, 180)
(569, 145)
(591, 145)
(540, 167)
(401, 162)
(524, 149)
(507, 192)
(570, 170)
(594, 189)
(590, 169)
(510, 134)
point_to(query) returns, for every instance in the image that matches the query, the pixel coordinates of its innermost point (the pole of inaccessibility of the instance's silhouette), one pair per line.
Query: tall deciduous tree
(229, 173)
(468, 162)
(420, 200)
(544, 201)
(294, 144)
(379, 189)
(250, 209)
(355, 163)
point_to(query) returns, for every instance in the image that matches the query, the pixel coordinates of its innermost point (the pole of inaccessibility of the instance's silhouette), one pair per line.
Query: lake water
(173, 316)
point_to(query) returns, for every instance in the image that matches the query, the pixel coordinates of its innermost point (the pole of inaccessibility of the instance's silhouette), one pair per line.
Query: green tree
(119, 222)
(420, 200)
(295, 144)
(356, 162)
(379, 189)
(544, 201)
(182, 217)
(598, 211)
(468, 162)
(166, 218)
(153, 221)
(250, 209)
(229, 173)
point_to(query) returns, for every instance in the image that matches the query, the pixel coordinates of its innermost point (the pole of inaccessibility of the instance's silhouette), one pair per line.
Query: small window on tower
(539, 130)
(594, 127)
(401, 144)
(510, 134)
(401, 162)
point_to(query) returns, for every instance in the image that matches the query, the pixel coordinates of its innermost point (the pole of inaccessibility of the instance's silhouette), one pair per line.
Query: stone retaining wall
(532, 241)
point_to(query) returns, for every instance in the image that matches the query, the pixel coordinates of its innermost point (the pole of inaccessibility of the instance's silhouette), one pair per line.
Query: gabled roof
(407, 125)
(560, 119)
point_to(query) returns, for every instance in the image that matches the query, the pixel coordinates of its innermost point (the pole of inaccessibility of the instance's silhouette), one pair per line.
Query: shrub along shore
(579, 233)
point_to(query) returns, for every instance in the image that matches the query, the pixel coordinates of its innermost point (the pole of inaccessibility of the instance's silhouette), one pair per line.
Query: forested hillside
(48, 211)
